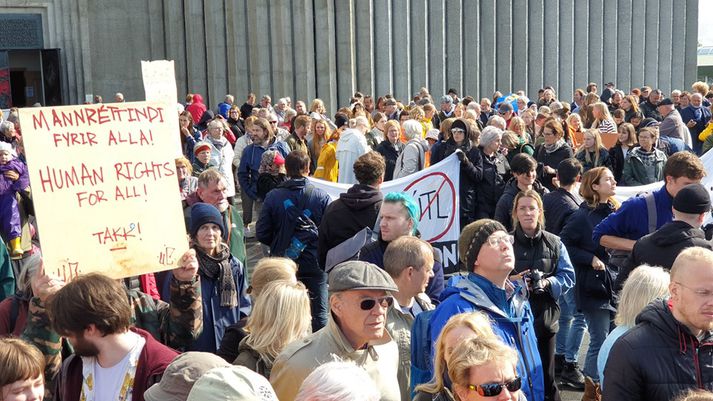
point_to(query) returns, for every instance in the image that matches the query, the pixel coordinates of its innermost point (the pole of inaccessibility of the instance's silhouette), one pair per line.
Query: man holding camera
(542, 261)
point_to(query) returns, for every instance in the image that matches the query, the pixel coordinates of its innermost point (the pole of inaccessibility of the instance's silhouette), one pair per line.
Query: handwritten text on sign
(105, 187)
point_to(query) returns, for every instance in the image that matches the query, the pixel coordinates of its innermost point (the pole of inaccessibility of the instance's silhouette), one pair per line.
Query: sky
(705, 28)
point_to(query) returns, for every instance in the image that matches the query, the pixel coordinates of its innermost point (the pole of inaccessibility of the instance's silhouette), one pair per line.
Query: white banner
(435, 190)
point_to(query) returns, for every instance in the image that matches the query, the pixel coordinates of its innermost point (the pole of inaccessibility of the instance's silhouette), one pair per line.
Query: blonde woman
(617, 153)
(280, 316)
(518, 126)
(576, 130)
(645, 284)
(267, 270)
(484, 368)
(390, 147)
(321, 134)
(318, 111)
(591, 153)
(458, 329)
(602, 119)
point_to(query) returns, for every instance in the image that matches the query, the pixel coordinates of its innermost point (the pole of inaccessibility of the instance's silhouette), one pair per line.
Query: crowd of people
(347, 301)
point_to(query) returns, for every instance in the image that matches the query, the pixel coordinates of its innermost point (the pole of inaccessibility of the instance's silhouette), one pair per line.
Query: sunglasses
(493, 389)
(369, 304)
(454, 130)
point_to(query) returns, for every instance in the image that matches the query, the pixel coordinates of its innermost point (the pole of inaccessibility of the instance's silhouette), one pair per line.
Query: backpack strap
(651, 211)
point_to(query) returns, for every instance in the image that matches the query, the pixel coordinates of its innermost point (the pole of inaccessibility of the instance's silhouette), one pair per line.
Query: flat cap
(359, 275)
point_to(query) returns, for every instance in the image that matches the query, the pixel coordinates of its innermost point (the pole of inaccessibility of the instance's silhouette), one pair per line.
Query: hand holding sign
(44, 286)
(187, 266)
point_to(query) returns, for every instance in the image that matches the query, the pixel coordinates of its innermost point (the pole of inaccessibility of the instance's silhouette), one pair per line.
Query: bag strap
(651, 211)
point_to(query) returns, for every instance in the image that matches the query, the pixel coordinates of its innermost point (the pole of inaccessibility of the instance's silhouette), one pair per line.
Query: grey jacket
(412, 158)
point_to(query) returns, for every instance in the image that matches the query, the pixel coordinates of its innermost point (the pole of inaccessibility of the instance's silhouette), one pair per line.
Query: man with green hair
(398, 217)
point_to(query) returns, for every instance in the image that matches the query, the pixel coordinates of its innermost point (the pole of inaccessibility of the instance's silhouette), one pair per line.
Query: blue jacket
(272, 216)
(631, 221)
(248, 171)
(512, 322)
(216, 318)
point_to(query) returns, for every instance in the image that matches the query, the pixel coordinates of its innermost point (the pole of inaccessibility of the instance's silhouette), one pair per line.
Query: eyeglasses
(369, 304)
(699, 292)
(493, 389)
(502, 239)
(457, 131)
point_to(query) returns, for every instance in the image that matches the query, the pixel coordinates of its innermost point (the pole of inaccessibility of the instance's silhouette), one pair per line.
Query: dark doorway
(17, 88)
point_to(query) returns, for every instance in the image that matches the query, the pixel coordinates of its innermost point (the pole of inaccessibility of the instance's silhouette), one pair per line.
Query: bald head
(690, 262)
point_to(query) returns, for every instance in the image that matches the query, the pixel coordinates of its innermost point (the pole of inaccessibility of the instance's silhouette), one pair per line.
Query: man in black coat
(564, 200)
(355, 209)
(660, 248)
(669, 350)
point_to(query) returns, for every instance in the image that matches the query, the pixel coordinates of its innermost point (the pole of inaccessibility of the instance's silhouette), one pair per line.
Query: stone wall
(330, 48)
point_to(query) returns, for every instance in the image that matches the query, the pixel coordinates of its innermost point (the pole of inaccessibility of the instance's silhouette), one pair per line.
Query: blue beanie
(204, 213)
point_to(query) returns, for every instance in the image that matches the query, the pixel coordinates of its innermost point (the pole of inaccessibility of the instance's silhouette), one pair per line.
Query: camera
(537, 281)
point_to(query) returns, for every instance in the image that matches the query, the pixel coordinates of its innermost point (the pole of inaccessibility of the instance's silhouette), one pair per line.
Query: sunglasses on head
(369, 304)
(493, 389)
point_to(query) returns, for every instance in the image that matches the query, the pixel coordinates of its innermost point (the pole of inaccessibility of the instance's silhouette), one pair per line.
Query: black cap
(693, 199)
(666, 102)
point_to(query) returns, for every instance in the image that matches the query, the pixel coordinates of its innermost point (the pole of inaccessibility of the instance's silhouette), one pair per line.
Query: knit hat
(489, 135)
(204, 213)
(181, 375)
(693, 199)
(472, 239)
(201, 146)
(232, 383)
(5, 147)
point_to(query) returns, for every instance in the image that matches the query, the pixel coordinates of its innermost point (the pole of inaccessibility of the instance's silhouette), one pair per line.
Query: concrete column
(550, 41)
(383, 43)
(196, 68)
(610, 57)
(678, 48)
(488, 44)
(691, 42)
(281, 48)
(346, 74)
(650, 38)
(581, 40)
(419, 46)
(304, 53)
(156, 32)
(175, 43)
(437, 45)
(596, 38)
(638, 48)
(364, 30)
(665, 45)
(401, 54)
(566, 50)
(623, 42)
(325, 54)
(471, 49)
(454, 45)
(535, 47)
(258, 48)
(503, 45)
(520, 45)
(216, 52)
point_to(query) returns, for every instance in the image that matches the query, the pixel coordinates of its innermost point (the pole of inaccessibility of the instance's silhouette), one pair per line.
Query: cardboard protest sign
(159, 81)
(435, 190)
(105, 189)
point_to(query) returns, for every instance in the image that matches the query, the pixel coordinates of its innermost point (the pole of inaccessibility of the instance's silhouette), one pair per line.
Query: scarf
(218, 268)
(553, 148)
(125, 392)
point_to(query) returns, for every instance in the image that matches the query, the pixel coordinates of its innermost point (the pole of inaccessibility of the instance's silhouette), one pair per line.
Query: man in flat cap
(360, 295)
(691, 205)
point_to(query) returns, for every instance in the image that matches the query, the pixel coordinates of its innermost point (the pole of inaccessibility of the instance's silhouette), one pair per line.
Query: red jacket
(153, 360)
(197, 108)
